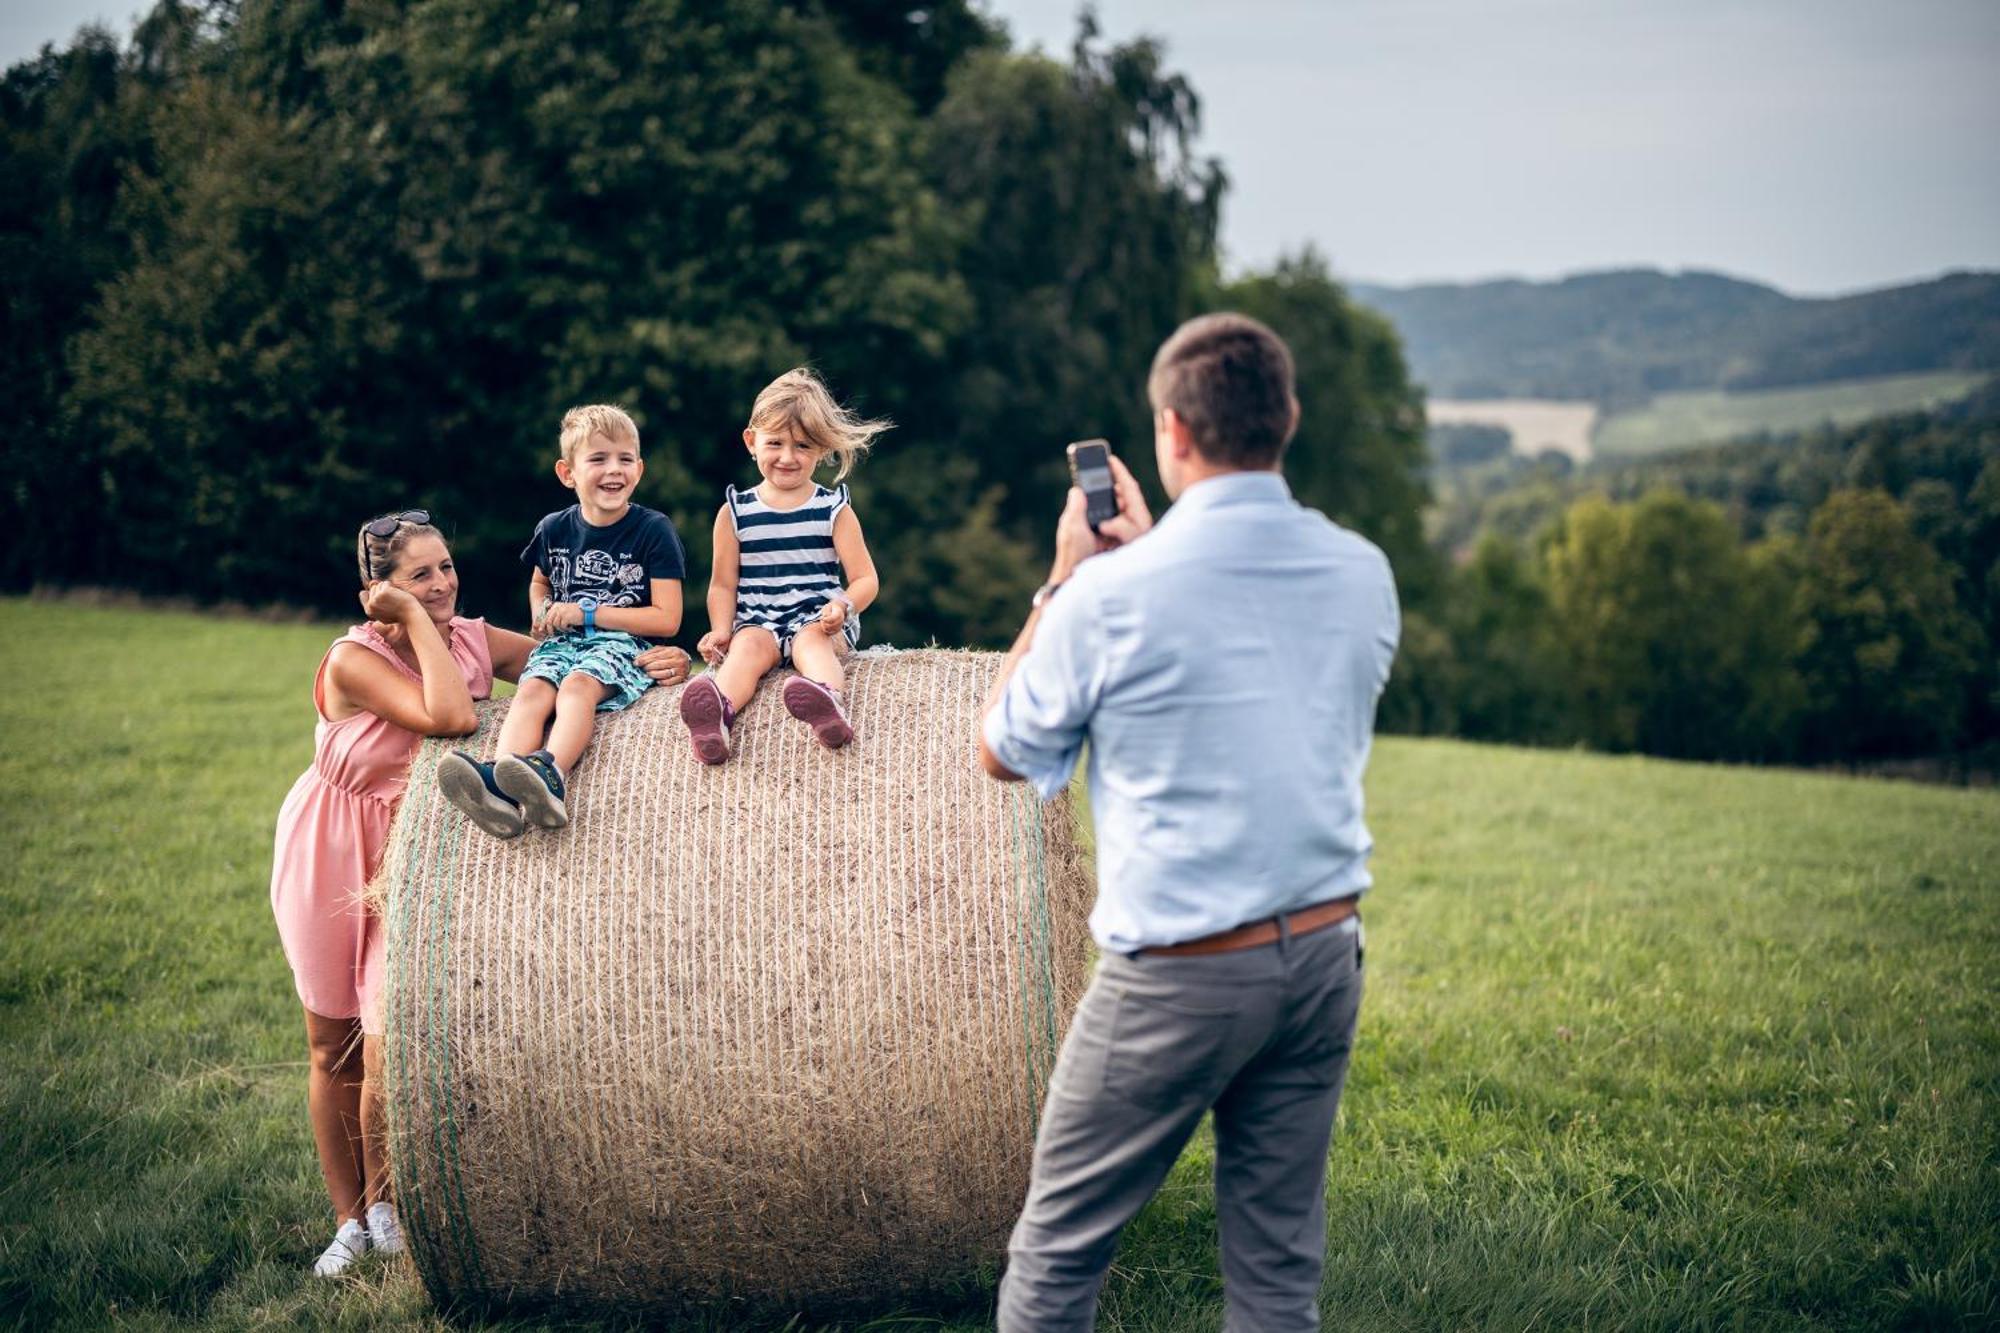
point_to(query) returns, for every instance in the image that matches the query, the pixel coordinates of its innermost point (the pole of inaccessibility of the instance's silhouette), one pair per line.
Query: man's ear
(1180, 440)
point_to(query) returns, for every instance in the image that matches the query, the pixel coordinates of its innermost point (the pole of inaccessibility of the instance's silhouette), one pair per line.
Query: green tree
(1496, 608)
(1888, 655)
(1359, 453)
(1087, 218)
(1673, 639)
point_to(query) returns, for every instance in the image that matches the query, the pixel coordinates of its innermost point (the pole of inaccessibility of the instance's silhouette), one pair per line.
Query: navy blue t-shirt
(614, 564)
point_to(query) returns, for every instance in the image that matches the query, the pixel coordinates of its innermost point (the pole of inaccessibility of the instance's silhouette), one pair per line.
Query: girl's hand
(714, 646)
(831, 617)
(668, 666)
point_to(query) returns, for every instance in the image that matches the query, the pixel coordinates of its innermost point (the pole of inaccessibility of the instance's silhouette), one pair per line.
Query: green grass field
(1647, 1045)
(1680, 420)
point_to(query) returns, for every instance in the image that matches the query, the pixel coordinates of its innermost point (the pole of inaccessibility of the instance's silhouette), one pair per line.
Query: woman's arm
(509, 652)
(360, 681)
(722, 580)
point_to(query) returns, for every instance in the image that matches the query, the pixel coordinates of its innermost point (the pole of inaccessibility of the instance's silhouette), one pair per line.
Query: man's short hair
(1230, 379)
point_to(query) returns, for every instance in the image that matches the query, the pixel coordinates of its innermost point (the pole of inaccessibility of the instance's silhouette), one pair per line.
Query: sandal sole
(701, 709)
(812, 707)
(539, 806)
(461, 785)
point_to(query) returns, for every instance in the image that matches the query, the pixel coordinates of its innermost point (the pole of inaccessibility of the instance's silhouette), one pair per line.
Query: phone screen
(1090, 466)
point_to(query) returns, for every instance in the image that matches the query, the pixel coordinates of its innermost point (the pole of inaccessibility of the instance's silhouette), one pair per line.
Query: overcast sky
(1820, 145)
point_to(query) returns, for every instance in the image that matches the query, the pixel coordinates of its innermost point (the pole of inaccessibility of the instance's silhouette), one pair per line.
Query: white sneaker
(349, 1244)
(385, 1234)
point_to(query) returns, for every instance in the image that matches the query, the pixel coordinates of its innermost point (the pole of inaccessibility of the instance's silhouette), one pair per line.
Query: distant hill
(1620, 337)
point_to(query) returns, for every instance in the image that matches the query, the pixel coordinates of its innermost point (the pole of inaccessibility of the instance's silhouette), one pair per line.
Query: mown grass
(1647, 1046)
(1680, 420)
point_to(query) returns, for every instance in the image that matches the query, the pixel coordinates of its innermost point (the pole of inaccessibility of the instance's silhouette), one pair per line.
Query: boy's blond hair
(798, 400)
(606, 419)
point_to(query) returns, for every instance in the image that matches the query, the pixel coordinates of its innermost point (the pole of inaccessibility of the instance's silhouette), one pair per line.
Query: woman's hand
(714, 646)
(391, 609)
(667, 666)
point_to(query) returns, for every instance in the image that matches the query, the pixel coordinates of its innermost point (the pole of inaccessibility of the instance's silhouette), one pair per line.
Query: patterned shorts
(607, 656)
(850, 632)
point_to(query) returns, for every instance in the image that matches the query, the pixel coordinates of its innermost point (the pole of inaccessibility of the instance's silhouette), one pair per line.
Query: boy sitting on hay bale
(606, 587)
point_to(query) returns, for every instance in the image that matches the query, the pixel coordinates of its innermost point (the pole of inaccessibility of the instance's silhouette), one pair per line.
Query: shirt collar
(1231, 488)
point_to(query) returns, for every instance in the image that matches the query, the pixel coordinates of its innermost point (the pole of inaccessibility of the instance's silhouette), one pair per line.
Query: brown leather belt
(1302, 922)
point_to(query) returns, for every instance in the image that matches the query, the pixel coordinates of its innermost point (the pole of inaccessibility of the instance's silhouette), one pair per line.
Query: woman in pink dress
(413, 671)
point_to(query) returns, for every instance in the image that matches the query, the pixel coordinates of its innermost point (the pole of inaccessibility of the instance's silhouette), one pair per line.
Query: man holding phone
(1224, 667)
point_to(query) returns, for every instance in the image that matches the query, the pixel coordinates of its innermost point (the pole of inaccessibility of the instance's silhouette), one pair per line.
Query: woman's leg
(813, 654)
(753, 651)
(576, 717)
(527, 717)
(333, 1100)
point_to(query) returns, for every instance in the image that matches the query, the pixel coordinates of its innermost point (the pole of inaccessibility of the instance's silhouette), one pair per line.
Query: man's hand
(714, 646)
(1076, 543)
(666, 665)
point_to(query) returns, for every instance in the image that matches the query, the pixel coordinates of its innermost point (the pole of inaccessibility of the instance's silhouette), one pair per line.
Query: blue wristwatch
(589, 605)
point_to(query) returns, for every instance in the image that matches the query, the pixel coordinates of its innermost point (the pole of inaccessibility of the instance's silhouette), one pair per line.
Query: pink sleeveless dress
(333, 828)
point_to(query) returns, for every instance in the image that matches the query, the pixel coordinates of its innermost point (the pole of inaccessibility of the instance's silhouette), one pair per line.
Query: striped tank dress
(789, 569)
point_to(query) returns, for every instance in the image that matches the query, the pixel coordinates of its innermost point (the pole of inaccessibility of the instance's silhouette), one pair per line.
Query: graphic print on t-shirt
(614, 565)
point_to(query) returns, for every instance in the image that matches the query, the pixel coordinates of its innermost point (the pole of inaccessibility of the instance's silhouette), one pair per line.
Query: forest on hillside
(274, 266)
(1618, 338)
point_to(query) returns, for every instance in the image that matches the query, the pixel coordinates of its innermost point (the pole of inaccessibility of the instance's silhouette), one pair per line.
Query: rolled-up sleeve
(1039, 726)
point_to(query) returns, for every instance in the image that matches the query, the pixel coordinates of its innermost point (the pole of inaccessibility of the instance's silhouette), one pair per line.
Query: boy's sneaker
(469, 785)
(385, 1233)
(708, 713)
(349, 1244)
(536, 783)
(818, 706)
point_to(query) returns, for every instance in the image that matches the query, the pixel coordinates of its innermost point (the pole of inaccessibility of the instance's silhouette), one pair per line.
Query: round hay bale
(773, 1034)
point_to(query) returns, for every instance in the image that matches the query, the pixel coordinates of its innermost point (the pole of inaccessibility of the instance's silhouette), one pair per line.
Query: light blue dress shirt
(1224, 670)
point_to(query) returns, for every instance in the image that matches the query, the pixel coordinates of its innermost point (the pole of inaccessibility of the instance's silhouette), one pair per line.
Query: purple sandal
(818, 707)
(708, 713)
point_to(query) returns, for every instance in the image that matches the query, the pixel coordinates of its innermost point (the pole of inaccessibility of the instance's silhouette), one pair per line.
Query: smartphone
(1090, 469)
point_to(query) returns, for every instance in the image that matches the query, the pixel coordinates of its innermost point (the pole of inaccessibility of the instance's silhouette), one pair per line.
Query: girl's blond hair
(798, 400)
(580, 423)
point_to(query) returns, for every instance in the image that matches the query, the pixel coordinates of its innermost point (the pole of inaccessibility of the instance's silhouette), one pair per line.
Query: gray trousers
(1260, 1035)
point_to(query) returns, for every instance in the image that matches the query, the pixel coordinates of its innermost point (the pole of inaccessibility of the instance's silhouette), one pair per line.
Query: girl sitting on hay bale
(782, 550)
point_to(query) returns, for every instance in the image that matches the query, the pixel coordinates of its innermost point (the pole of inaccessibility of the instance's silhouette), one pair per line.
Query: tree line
(1827, 596)
(273, 266)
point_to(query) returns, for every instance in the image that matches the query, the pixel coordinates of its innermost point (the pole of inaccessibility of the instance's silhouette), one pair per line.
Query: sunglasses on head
(385, 527)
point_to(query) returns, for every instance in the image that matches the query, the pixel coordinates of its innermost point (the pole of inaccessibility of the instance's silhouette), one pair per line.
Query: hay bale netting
(773, 1034)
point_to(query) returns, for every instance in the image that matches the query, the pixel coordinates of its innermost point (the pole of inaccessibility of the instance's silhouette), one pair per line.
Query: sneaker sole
(539, 806)
(466, 790)
(822, 714)
(701, 709)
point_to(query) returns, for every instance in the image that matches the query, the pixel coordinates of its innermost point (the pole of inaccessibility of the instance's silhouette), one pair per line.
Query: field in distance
(1647, 1046)
(1681, 420)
